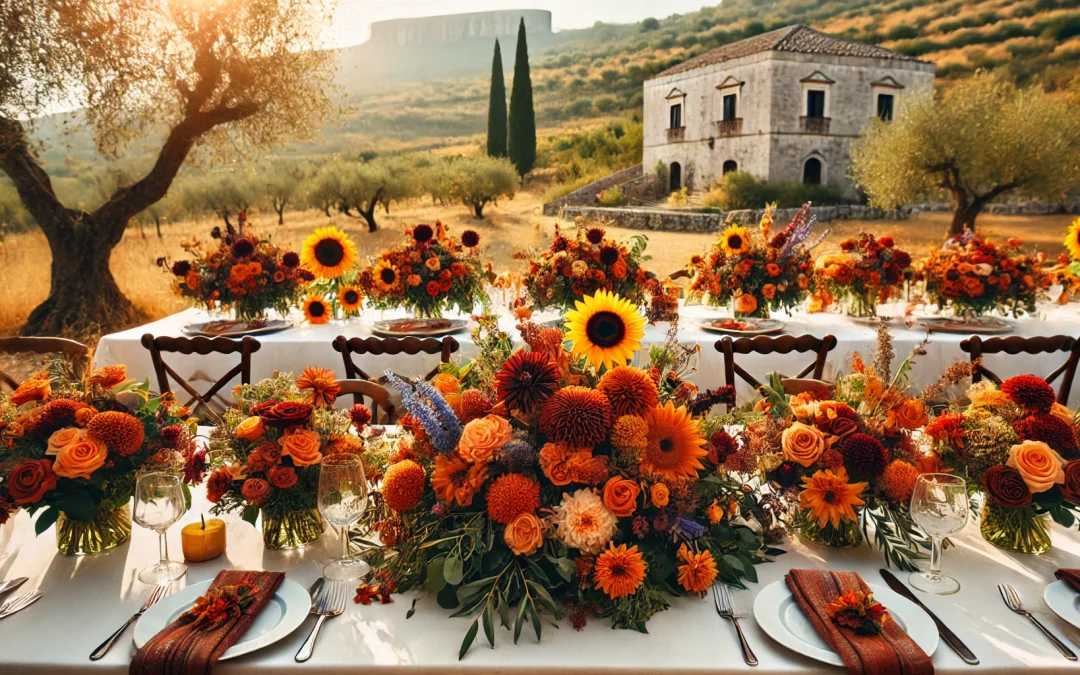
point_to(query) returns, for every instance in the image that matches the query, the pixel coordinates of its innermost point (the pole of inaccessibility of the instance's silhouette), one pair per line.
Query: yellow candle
(203, 541)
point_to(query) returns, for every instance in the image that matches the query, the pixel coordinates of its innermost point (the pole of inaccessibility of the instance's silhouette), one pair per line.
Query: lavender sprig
(429, 408)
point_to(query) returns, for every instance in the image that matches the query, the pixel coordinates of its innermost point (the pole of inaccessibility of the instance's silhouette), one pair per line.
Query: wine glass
(939, 505)
(159, 502)
(343, 497)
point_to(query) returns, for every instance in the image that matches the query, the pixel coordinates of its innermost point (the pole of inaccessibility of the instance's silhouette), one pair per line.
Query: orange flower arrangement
(867, 272)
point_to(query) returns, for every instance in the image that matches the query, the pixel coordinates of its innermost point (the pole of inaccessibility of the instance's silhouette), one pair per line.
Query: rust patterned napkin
(891, 652)
(1071, 577)
(191, 647)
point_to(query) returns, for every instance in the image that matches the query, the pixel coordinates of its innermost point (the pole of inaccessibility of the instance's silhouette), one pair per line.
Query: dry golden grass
(513, 225)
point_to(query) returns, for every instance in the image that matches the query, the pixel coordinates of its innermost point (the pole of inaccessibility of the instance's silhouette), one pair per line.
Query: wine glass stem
(935, 559)
(344, 543)
(163, 547)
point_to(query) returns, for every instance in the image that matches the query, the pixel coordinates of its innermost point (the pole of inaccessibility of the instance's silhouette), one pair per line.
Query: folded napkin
(1071, 577)
(891, 652)
(192, 647)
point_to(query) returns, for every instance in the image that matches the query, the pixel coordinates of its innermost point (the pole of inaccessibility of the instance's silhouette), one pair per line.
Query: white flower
(583, 522)
(983, 269)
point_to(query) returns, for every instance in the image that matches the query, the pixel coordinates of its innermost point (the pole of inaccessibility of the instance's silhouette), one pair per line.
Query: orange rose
(802, 443)
(1062, 413)
(659, 494)
(63, 438)
(36, 389)
(255, 490)
(251, 429)
(445, 383)
(303, 446)
(973, 287)
(769, 291)
(746, 304)
(80, 459)
(483, 437)
(909, 413)
(620, 496)
(525, 535)
(772, 269)
(1037, 464)
(555, 465)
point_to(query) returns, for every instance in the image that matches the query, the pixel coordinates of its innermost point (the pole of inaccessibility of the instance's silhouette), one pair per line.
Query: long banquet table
(86, 599)
(303, 345)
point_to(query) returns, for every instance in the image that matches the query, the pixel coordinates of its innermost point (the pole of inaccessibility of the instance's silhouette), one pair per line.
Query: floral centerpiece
(266, 452)
(757, 274)
(973, 276)
(70, 452)
(1018, 446)
(579, 485)
(241, 271)
(868, 271)
(582, 264)
(330, 255)
(428, 275)
(1066, 272)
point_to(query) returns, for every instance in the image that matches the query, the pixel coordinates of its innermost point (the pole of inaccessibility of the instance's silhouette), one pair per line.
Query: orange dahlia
(698, 570)
(898, 481)
(120, 432)
(577, 416)
(674, 445)
(510, 496)
(455, 480)
(830, 498)
(323, 385)
(403, 485)
(108, 377)
(630, 391)
(619, 571)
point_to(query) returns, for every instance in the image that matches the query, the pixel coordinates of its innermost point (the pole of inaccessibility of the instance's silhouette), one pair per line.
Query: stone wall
(587, 195)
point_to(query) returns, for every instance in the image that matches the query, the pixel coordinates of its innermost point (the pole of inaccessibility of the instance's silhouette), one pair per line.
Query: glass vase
(846, 535)
(291, 528)
(761, 310)
(860, 307)
(1019, 530)
(109, 528)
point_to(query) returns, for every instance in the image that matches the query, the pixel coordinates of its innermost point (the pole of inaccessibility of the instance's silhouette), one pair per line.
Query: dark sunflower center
(329, 252)
(666, 445)
(735, 241)
(618, 570)
(605, 329)
(352, 297)
(388, 275)
(316, 309)
(830, 496)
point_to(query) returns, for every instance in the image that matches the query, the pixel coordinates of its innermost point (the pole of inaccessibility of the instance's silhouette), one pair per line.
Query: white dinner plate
(979, 325)
(779, 616)
(753, 327)
(1065, 602)
(387, 328)
(230, 328)
(280, 617)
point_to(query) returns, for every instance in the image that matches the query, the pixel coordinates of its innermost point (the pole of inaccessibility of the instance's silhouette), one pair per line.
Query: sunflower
(328, 253)
(830, 498)
(323, 385)
(1072, 240)
(605, 328)
(387, 278)
(350, 298)
(675, 446)
(316, 311)
(619, 571)
(735, 240)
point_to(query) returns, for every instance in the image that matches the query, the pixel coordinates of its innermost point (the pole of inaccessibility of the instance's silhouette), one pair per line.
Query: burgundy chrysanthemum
(864, 456)
(470, 239)
(181, 267)
(423, 233)
(1029, 392)
(609, 255)
(595, 235)
(360, 416)
(1054, 431)
(242, 248)
(291, 259)
(577, 416)
(723, 446)
(171, 434)
(526, 380)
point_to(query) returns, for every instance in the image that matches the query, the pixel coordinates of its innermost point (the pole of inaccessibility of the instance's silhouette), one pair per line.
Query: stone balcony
(732, 127)
(814, 125)
(676, 134)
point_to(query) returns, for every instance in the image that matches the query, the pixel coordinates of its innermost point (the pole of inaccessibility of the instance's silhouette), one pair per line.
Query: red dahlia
(1029, 392)
(864, 456)
(595, 235)
(1053, 431)
(526, 380)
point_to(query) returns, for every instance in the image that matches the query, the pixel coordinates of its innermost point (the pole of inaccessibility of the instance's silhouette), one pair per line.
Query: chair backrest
(202, 346)
(376, 393)
(784, 344)
(412, 346)
(75, 353)
(977, 347)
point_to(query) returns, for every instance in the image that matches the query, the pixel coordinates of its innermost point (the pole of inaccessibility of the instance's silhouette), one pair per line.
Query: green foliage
(480, 180)
(356, 188)
(679, 198)
(496, 128)
(613, 196)
(522, 123)
(741, 190)
(592, 154)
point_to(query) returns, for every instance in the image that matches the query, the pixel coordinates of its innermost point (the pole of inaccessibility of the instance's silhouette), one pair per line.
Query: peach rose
(1062, 413)
(659, 494)
(1037, 464)
(524, 535)
(620, 496)
(909, 413)
(251, 429)
(746, 304)
(483, 437)
(63, 438)
(802, 444)
(80, 459)
(303, 446)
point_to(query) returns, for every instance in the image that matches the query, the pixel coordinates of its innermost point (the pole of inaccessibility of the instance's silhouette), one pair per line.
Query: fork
(725, 607)
(331, 604)
(1012, 600)
(104, 647)
(18, 603)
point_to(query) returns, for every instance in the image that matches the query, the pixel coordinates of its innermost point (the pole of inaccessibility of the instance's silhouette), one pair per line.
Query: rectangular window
(815, 103)
(885, 107)
(676, 116)
(730, 111)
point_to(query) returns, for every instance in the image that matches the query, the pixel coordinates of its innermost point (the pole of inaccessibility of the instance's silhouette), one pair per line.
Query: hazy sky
(355, 16)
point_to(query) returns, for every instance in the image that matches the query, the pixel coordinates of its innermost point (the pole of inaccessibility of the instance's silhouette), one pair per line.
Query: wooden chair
(202, 346)
(784, 344)
(75, 353)
(376, 393)
(977, 347)
(412, 346)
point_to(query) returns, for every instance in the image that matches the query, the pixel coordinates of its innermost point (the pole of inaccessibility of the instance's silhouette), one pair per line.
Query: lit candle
(204, 540)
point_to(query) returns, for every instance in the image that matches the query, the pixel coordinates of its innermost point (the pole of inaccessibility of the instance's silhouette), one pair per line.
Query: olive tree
(357, 188)
(212, 77)
(480, 180)
(983, 139)
(280, 185)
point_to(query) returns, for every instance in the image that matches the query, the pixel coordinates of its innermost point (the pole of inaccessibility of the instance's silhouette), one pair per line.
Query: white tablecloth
(303, 345)
(85, 599)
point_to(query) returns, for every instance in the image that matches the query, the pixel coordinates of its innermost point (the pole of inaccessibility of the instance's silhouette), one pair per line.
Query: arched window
(675, 176)
(811, 173)
(729, 166)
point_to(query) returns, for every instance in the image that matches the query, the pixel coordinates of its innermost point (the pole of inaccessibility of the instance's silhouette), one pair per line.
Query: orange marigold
(619, 571)
(403, 485)
(698, 570)
(898, 480)
(510, 496)
(455, 480)
(122, 433)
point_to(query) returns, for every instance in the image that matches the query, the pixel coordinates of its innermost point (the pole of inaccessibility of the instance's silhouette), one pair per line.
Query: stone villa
(783, 106)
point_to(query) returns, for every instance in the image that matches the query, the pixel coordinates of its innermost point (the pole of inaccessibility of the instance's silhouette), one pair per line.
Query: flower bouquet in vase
(757, 274)
(1066, 273)
(329, 254)
(1018, 446)
(266, 452)
(867, 272)
(561, 483)
(72, 450)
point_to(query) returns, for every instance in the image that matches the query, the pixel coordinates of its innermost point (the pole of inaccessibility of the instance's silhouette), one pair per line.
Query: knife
(946, 634)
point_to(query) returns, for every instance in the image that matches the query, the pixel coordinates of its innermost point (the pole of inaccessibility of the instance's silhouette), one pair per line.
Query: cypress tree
(496, 138)
(522, 136)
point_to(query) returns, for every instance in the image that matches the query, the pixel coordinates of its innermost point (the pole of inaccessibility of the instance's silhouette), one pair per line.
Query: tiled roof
(799, 38)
